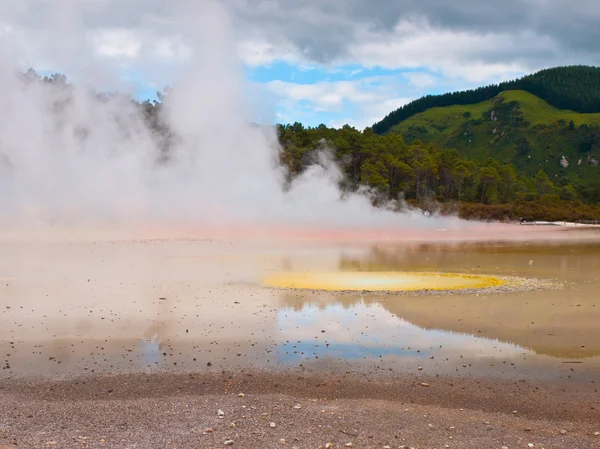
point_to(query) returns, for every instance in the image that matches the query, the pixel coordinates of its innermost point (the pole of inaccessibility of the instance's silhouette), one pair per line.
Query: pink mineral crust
(471, 231)
(463, 232)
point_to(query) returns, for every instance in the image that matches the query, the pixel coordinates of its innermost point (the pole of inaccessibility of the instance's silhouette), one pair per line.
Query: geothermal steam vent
(387, 281)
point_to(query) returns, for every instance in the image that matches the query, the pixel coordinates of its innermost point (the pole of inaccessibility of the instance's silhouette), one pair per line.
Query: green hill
(575, 88)
(514, 127)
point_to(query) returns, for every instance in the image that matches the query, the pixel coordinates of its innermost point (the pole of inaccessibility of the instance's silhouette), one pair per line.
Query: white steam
(68, 158)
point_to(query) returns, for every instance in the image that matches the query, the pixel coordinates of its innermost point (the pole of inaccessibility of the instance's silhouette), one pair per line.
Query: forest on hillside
(576, 88)
(436, 178)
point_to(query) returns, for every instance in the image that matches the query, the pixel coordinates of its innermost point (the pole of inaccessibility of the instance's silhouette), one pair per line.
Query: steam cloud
(68, 158)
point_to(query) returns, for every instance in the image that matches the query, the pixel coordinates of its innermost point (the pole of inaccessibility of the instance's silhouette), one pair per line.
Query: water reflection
(150, 350)
(416, 334)
(575, 260)
(362, 330)
(551, 323)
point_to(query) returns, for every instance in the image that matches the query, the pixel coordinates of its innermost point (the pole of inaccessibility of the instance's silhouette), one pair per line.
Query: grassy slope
(538, 112)
(474, 138)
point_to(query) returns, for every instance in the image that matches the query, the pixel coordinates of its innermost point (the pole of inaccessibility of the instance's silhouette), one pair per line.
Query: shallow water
(121, 306)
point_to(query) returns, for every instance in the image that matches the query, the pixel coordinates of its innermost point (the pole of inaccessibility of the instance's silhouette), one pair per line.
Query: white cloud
(116, 43)
(365, 101)
(465, 55)
(172, 49)
(256, 53)
(462, 38)
(470, 57)
(5, 28)
(325, 96)
(377, 110)
(421, 79)
(370, 113)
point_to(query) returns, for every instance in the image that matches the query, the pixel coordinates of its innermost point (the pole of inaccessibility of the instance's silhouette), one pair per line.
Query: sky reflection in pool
(367, 331)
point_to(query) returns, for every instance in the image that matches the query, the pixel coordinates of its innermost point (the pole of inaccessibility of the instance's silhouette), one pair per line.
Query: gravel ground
(295, 410)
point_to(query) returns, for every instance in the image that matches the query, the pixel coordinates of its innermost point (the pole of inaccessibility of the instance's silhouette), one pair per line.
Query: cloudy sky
(314, 61)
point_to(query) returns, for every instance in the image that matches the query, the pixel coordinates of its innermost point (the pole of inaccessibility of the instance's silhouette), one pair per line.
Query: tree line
(424, 174)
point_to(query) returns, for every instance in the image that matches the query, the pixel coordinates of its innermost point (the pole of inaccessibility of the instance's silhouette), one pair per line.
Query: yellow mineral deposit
(388, 281)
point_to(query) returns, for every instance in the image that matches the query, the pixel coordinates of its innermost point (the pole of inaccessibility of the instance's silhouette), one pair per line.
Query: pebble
(424, 384)
(563, 432)
(207, 431)
(241, 395)
(530, 445)
(349, 445)
(282, 440)
(228, 443)
(504, 447)
(328, 445)
(386, 447)
(232, 425)
(597, 433)
(220, 413)
(273, 425)
(297, 406)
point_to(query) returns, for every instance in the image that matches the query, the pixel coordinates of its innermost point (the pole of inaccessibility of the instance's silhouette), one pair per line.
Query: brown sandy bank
(308, 411)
